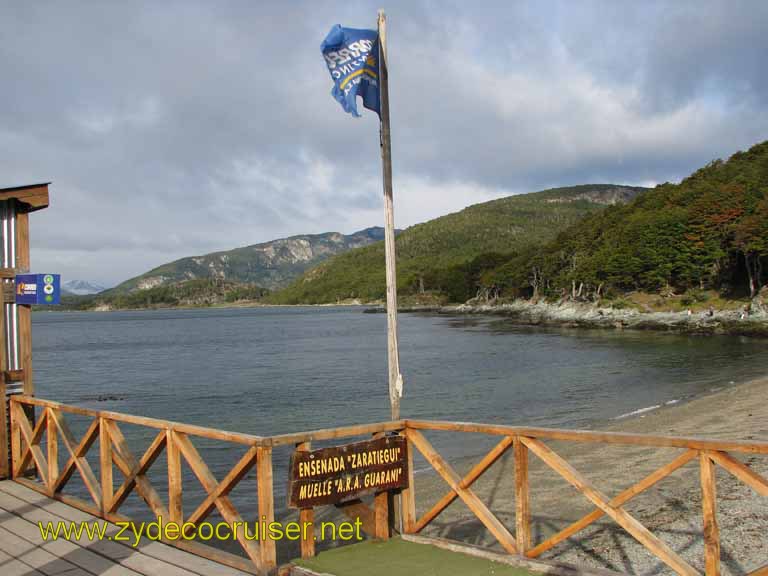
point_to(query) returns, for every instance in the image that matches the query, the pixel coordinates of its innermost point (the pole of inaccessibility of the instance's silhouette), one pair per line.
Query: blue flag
(352, 57)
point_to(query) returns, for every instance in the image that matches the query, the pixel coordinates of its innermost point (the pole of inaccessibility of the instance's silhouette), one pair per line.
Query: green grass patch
(374, 558)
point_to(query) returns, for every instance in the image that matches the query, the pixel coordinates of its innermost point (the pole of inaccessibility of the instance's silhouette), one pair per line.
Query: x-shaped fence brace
(175, 439)
(605, 506)
(114, 449)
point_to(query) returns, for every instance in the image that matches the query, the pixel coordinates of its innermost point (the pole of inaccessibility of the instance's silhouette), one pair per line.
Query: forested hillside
(708, 232)
(187, 293)
(440, 257)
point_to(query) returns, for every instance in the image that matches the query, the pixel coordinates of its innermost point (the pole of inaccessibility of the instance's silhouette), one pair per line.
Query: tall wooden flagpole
(393, 354)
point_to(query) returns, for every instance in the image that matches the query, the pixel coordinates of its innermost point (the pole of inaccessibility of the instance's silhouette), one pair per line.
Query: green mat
(398, 558)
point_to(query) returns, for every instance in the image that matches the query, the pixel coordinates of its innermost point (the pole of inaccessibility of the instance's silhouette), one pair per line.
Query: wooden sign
(333, 475)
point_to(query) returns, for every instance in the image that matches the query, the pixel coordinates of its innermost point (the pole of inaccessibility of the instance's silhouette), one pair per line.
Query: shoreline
(671, 509)
(594, 317)
(524, 313)
(584, 316)
(221, 306)
(684, 409)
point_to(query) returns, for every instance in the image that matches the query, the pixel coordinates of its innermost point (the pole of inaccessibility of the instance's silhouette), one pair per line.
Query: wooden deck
(23, 551)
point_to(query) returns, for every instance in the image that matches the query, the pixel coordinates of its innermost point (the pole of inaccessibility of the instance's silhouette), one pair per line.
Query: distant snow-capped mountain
(80, 287)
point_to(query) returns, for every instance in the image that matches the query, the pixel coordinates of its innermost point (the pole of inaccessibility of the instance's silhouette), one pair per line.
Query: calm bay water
(277, 370)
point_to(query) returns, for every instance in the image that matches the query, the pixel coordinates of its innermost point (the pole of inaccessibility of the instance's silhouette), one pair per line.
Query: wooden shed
(16, 320)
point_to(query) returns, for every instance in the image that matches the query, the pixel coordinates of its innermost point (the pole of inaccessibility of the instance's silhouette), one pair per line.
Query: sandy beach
(671, 509)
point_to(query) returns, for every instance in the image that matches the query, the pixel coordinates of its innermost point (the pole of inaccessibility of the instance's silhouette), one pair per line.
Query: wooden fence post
(15, 438)
(175, 491)
(306, 517)
(408, 498)
(381, 507)
(709, 505)
(266, 505)
(52, 441)
(382, 504)
(105, 466)
(522, 498)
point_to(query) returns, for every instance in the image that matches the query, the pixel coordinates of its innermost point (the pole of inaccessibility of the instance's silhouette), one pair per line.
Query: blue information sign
(38, 288)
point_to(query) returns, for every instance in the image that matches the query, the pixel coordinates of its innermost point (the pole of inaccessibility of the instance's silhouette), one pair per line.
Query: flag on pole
(352, 57)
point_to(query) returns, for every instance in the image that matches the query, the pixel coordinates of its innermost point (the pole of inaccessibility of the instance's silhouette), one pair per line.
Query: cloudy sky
(171, 129)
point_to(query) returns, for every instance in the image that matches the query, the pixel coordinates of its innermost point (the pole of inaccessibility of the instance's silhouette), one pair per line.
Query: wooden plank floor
(23, 551)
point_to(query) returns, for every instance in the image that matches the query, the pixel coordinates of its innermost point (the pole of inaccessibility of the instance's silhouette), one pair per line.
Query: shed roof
(35, 196)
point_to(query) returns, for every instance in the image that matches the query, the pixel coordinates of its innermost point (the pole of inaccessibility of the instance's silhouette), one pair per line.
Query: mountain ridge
(270, 264)
(426, 251)
(77, 287)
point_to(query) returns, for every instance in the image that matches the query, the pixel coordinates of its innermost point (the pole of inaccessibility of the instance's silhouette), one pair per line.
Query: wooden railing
(174, 438)
(177, 440)
(50, 424)
(524, 441)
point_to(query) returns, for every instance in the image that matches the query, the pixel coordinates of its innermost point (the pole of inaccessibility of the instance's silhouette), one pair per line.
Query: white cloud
(417, 198)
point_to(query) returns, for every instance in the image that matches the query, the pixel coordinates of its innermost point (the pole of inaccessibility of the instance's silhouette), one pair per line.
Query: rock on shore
(582, 315)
